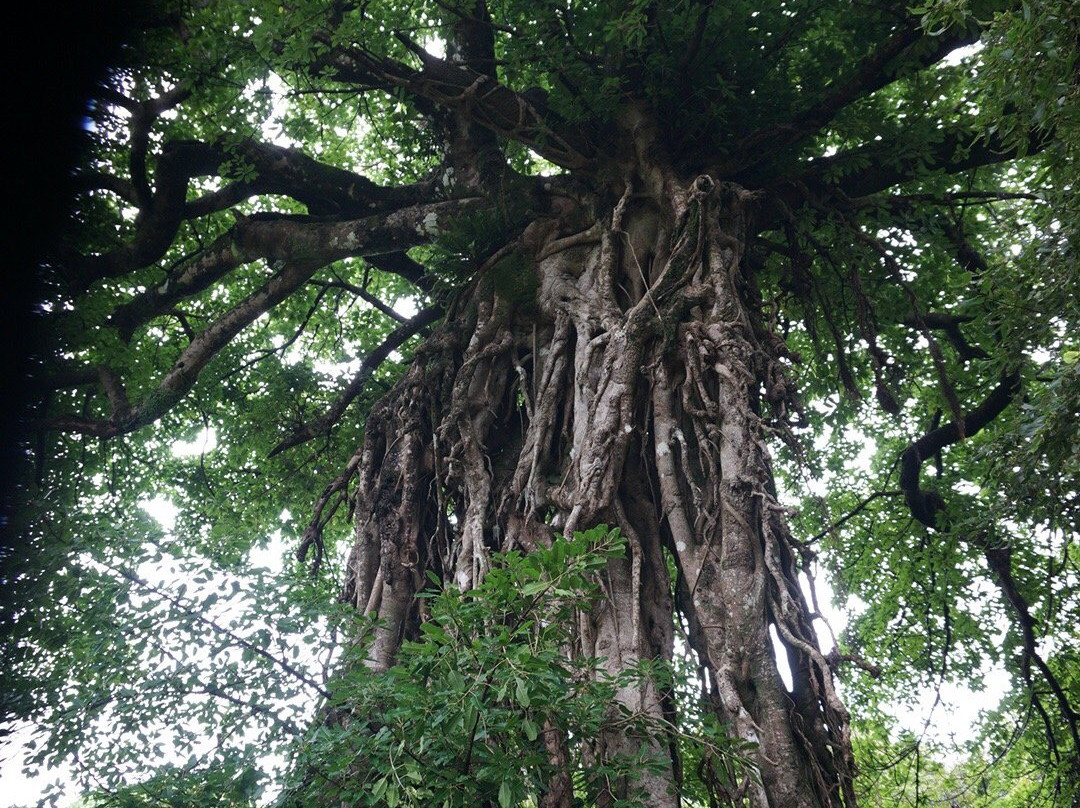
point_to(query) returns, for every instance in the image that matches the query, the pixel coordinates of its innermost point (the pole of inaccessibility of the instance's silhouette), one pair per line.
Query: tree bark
(610, 367)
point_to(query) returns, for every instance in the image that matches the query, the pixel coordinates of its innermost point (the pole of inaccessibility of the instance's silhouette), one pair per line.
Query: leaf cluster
(478, 705)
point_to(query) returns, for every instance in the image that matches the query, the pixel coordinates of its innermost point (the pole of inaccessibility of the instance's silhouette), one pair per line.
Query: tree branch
(399, 263)
(159, 221)
(277, 238)
(299, 675)
(144, 115)
(881, 67)
(324, 189)
(999, 559)
(925, 505)
(860, 173)
(100, 181)
(363, 294)
(950, 324)
(906, 202)
(851, 514)
(371, 363)
(185, 371)
(299, 249)
(313, 532)
(875, 168)
(473, 95)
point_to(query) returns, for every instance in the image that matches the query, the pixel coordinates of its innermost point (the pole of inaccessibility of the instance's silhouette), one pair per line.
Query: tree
(644, 243)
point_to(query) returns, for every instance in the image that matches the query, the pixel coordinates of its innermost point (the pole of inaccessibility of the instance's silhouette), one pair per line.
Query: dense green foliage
(174, 670)
(455, 722)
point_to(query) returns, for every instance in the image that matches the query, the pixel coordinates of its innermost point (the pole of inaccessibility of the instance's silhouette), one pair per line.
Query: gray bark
(608, 368)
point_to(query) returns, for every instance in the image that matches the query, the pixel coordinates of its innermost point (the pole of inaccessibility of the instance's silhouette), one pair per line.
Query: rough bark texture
(607, 367)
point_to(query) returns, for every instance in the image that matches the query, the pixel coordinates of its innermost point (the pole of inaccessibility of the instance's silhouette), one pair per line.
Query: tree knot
(702, 186)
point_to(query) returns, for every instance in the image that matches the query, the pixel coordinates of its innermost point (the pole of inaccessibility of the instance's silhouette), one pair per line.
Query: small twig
(854, 512)
(363, 294)
(245, 644)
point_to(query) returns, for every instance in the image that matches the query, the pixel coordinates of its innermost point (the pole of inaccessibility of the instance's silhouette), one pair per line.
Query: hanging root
(622, 389)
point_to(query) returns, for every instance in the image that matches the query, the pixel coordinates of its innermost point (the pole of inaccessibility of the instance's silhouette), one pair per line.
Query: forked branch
(323, 189)
(277, 239)
(476, 96)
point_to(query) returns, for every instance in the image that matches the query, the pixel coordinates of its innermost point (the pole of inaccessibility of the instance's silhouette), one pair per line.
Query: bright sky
(20, 790)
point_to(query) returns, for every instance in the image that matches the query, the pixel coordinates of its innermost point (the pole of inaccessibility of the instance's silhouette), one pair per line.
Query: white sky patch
(781, 659)
(203, 443)
(953, 716)
(272, 555)
(20, 789)
(163, 510)
(272, 129)
(436, 46)
(407, 307)
(821, 597)
(960, 54)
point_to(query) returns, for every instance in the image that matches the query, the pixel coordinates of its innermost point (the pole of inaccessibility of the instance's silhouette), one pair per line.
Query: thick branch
(160, 217)
(925, 505)
(950, 325)
(185, 371)
(99, 181)
(280, 238)
(999, 559)
(67, 378)
(299, 248)
(473, 42)
(471, 94)
(957, 150)
(908, 48)
(324, 189)
(472, 151)
(399, 263)
(870, 170)
(144, 115)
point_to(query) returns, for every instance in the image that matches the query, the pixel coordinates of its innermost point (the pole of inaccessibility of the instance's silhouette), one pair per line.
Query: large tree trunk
(607, 368)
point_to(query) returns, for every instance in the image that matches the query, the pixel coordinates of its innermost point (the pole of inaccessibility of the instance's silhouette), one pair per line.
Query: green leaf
(435, 632)
(534, 588)
(379, 788)
(530, 729)
(521, 692)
